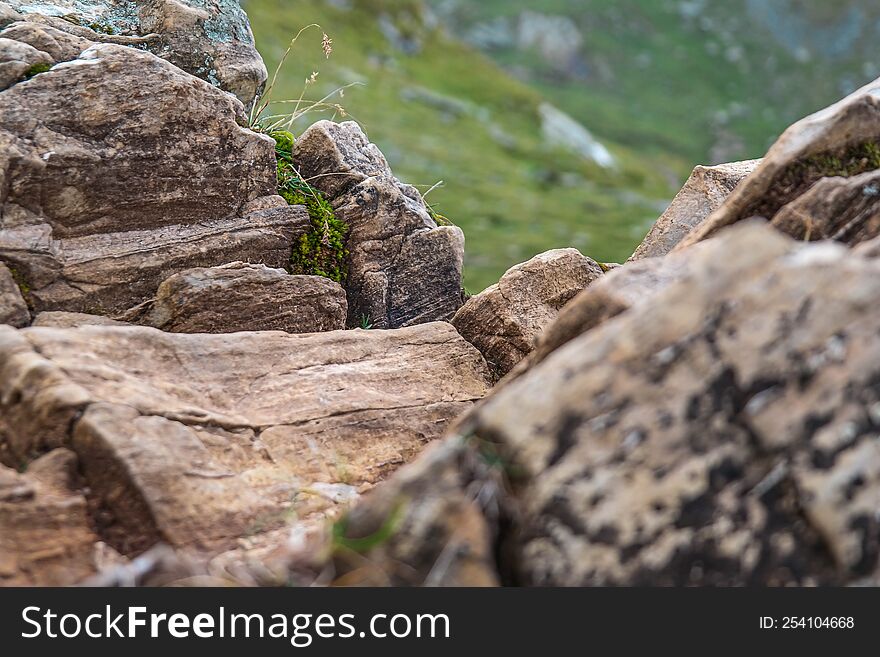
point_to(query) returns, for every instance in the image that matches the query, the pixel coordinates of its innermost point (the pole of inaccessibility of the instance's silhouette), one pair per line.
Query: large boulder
(13, 309)
(46, 536)
(403, 269)
(723, 432)
(505, 319)
(702, 194)
(109, 188)
(204, 440)
(210, 39)
(243, 297)
(841, 141)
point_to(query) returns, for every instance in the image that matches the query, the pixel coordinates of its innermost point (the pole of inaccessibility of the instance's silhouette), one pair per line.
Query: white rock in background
(559, 129)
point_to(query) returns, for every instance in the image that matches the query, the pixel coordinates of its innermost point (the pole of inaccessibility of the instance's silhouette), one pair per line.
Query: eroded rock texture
(108, 194)
(210, 39)
(703, 193)
(841, 141)
(723, 432)
(505, 319)
(243, 297)
(202, 440)
(13, 309)
(403, 268)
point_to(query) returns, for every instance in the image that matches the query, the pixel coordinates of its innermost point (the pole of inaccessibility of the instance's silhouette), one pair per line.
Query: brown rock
(403, 269)
(45, 535)
(703, 193)
(842, 209)
(843, 139)
(60, 319)
(243, 297)
(13, 309)
(17, 59)
(721, 433)
(200, 440)
(504, 320)
(109, 193)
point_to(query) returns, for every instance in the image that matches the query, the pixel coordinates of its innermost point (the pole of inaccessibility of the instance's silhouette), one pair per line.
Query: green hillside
(449, 113)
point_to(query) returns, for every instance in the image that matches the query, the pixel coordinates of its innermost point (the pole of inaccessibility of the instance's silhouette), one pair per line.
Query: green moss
(36, 69)
(438, 218)
(321, 251)
(22, 284)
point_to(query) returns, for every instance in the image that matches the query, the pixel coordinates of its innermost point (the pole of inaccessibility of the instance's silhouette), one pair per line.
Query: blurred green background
(558, 123)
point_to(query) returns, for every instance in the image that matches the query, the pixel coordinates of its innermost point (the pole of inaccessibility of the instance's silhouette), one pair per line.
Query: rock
(561, 130)
(842, 209)
(243, 297)
(203, 440)
(504, 320)
(60, 319)
(209, 39)
(724, 432)
(17, 60)
(403, 269)
(109, 192)
(841, 140)
(45, 535)
(13, 309)
(702, 194)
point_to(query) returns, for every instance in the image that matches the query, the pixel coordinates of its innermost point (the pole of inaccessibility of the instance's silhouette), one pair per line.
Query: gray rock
(13, 309)
(210, 39)
(243, 297)
(403, 269)
(504, 320)
(61, 319)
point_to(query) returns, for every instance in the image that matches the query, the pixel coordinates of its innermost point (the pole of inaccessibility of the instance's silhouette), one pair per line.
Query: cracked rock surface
(725, 431)
(200, 441)
(403, 269)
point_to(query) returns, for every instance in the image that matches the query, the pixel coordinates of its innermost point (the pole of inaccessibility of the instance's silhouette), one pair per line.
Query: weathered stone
(403, 269)
(200, 440)
(17, 60)
(243, 297)
(61, 319)
(210, 39)
(702, 194)
(722, 432)
(504, 320)
(842, 209)
(45, 535)
(841, 140)
(107, 194)
(13, 309)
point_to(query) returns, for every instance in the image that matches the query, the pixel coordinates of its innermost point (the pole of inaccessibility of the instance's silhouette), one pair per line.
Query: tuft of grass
(362, 545)
(36, 69)
(366, 322)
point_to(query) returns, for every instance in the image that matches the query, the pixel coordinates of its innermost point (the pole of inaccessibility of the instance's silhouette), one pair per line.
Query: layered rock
(202, 440)
(13, 309)
(842, 140)
(403, 269)
(45, 530)
(108, 194)
(722, 432)
(504, 320)
(703, 193)
(243, 297)
(209, 39)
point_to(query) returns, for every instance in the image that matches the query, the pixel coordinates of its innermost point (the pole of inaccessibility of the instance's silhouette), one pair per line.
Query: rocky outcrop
(61, 319)
(243, 297)
(842, 140)
(45, 530)
(722, 432)
(211, 40)
(111, 193)
(403, 269)
(202, 440)
(17, 60)
(702, 194)
(13, 309)
(504, 320)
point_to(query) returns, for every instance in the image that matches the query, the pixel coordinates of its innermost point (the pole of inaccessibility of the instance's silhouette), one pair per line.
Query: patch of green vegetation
(321, 251)
(362, 545)
(36, 69)
(366, 322)
(23, 286)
